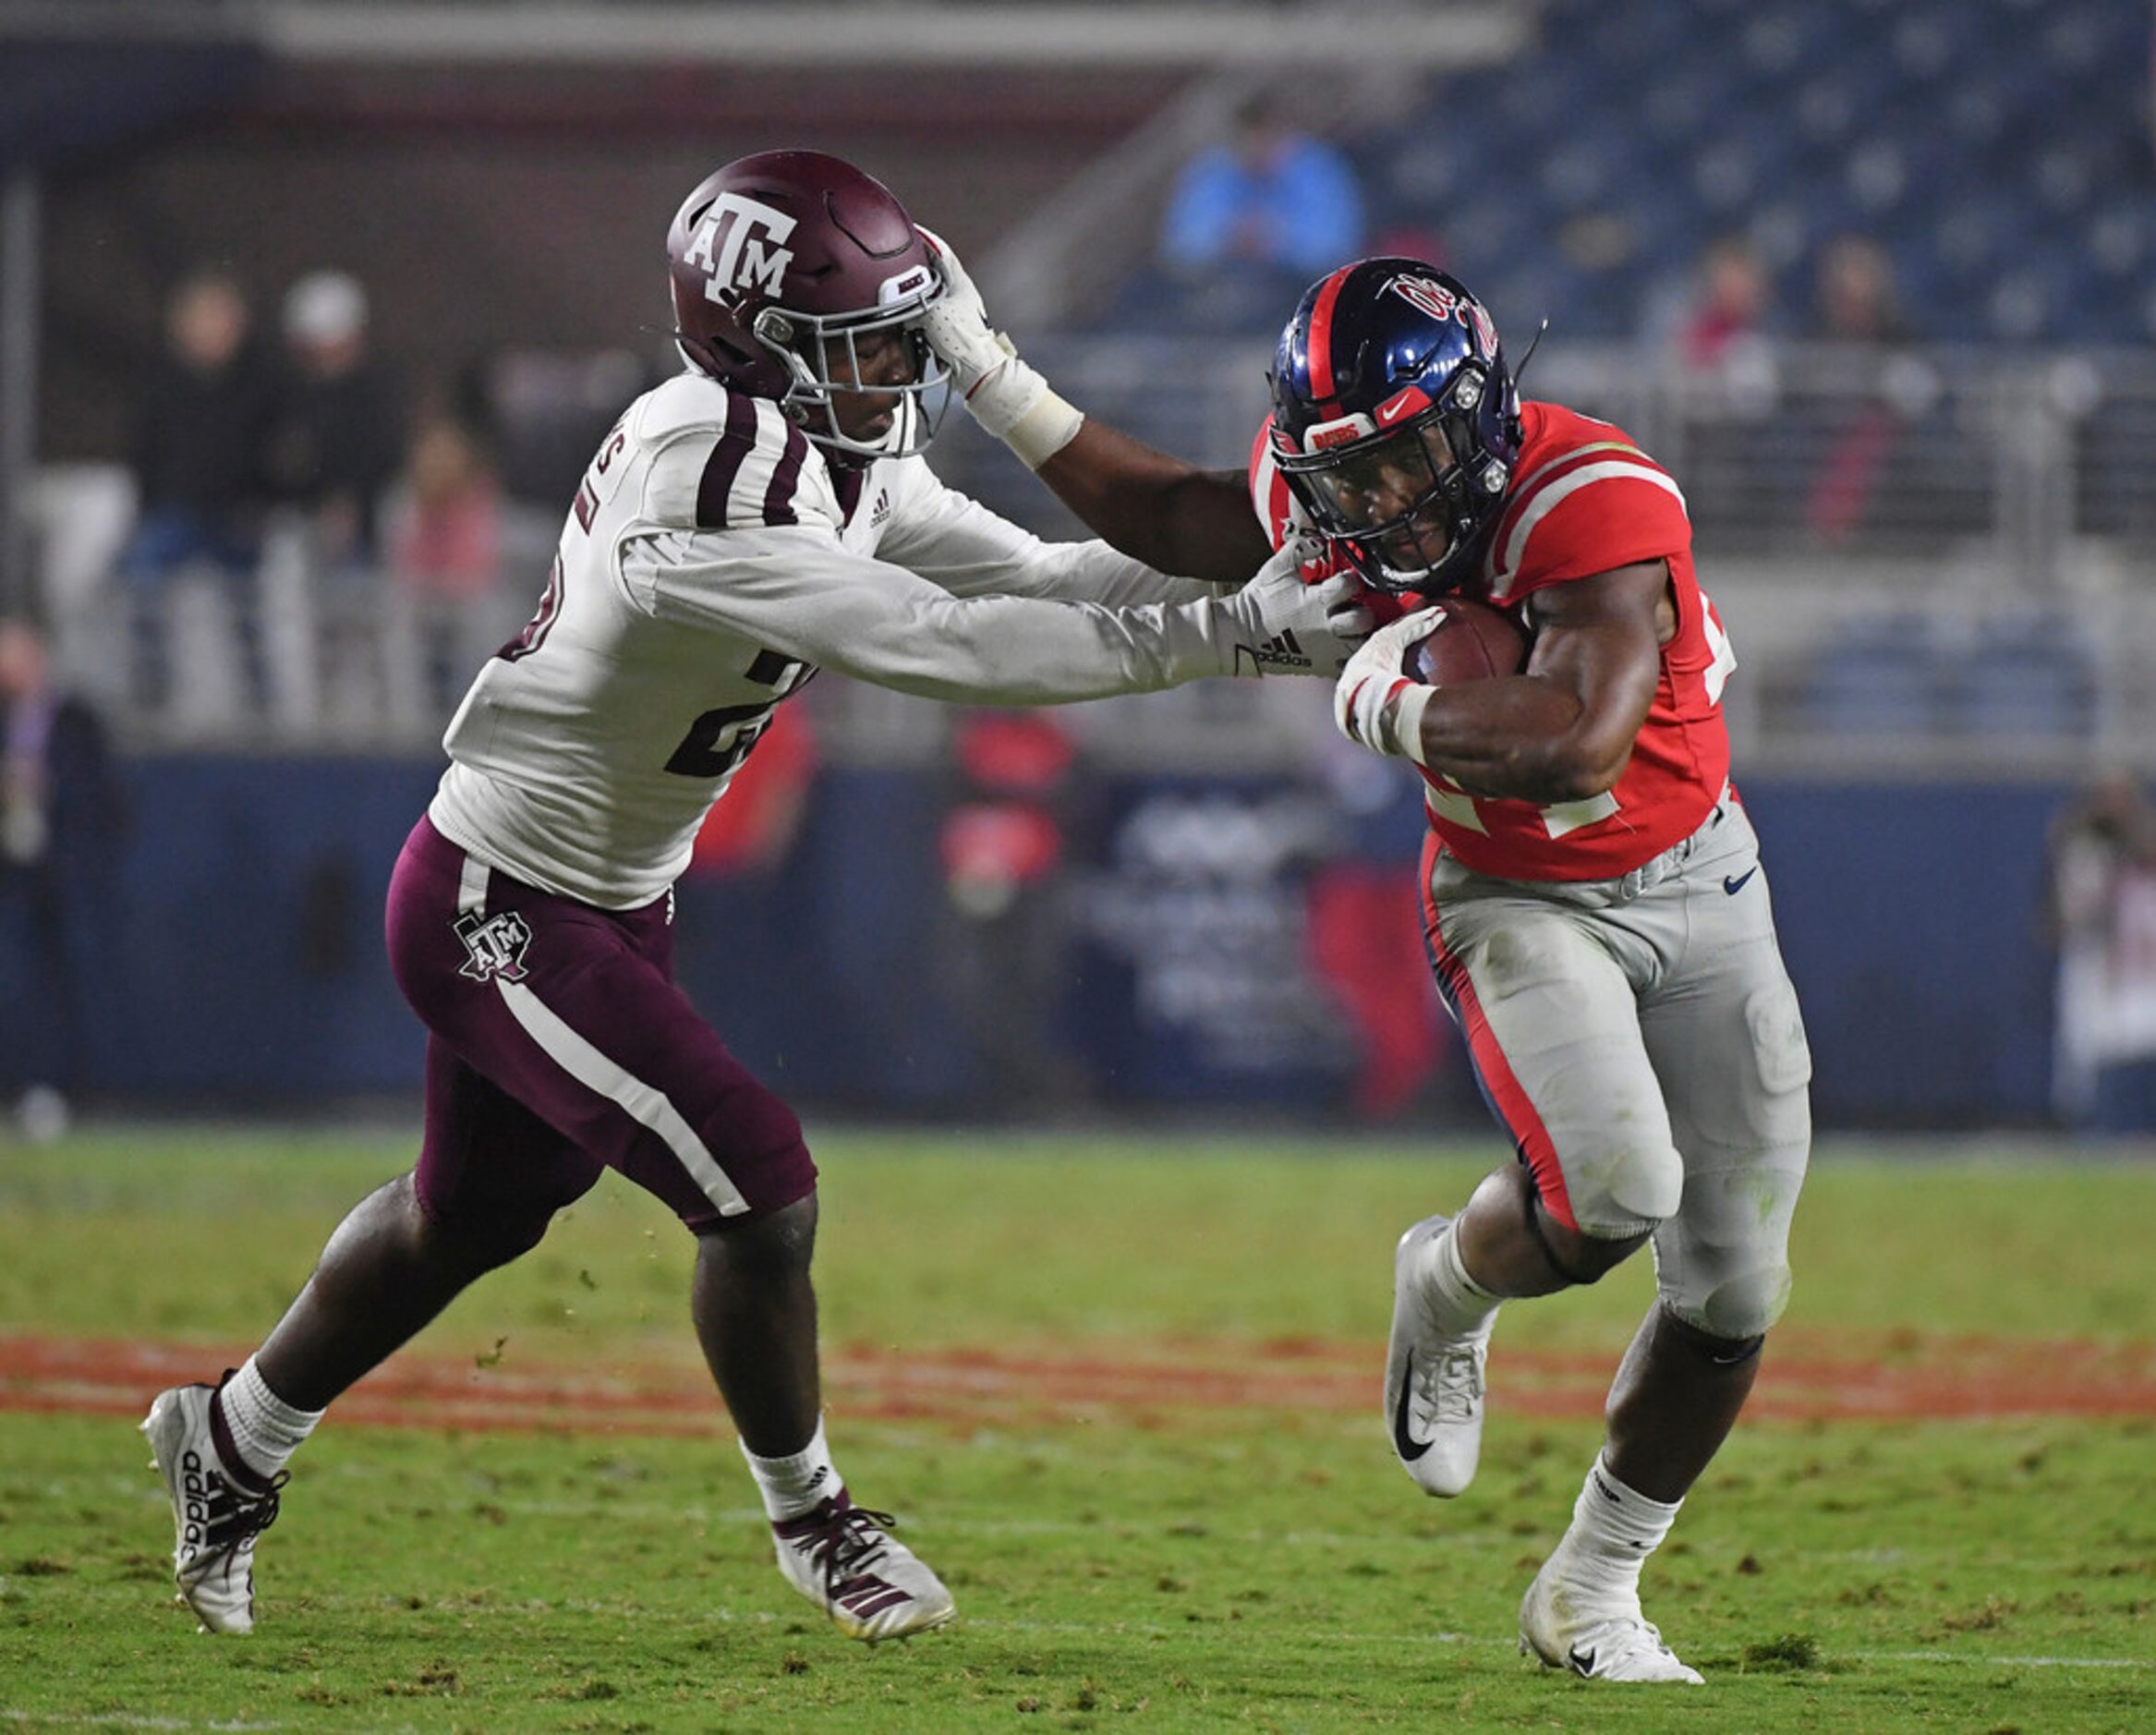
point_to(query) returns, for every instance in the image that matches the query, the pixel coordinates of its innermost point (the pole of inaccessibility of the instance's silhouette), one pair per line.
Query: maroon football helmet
(783, 262)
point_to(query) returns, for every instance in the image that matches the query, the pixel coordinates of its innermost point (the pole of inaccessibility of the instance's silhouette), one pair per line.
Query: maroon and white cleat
(843, 1557)
(219, 1507)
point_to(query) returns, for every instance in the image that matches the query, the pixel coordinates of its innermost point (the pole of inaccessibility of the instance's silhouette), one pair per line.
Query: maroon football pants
(559, 1045)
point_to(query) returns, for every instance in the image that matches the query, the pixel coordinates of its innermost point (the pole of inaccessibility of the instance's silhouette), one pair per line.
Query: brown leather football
(1473, 642)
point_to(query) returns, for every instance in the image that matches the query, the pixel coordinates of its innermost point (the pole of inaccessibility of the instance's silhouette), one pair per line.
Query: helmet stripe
(1321, 337)
(1265, 480)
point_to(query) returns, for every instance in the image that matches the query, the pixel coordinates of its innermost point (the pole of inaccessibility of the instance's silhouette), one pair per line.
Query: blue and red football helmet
(1396, 421)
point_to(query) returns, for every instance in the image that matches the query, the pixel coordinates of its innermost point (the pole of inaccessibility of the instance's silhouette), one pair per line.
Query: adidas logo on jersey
(881, 509)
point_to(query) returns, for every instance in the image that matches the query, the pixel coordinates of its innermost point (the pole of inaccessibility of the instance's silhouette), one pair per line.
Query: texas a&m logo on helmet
(783, 265)
(740, 244)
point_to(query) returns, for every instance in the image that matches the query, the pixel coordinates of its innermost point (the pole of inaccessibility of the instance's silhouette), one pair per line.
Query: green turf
(964, 1237)
(1177, 1569)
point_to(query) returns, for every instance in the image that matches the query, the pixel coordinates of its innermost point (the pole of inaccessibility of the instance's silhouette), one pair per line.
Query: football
(1473, 642)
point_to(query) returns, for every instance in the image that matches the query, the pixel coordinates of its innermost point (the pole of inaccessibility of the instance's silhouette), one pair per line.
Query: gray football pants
(1640, 1039)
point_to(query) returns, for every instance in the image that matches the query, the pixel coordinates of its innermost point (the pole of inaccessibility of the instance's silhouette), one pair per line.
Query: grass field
(1122, 1393)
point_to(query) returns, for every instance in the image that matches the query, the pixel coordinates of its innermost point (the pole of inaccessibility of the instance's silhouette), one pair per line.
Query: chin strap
(1520, 372)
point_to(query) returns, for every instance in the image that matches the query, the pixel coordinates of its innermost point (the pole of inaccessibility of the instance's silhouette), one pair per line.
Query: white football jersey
(711, 564)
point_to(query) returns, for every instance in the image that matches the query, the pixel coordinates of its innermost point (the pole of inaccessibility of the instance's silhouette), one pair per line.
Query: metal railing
(1931, 562)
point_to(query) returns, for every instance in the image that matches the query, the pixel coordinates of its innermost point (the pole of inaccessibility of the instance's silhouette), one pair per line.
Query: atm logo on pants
(494, 945)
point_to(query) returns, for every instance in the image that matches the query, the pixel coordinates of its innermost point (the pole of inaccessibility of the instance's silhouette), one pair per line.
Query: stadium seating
(2011, 677)
(1999, 149)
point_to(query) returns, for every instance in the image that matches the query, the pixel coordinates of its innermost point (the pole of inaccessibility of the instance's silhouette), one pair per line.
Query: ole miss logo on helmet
(739, 246)
(1441, 303)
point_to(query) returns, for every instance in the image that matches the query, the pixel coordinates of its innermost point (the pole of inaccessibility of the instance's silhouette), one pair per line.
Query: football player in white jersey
(763, 515)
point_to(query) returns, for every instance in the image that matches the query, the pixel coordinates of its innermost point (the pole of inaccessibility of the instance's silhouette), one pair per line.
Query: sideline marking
(1947, 1378)
(106, 1719)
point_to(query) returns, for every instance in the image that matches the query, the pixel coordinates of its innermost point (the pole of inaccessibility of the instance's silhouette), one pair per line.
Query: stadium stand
(1578, 169)
(2010, 213)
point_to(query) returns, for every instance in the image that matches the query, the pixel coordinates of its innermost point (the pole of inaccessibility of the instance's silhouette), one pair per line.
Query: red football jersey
(1587, 501)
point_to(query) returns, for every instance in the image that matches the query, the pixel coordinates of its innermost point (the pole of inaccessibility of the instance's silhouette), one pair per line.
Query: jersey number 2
(720, 740)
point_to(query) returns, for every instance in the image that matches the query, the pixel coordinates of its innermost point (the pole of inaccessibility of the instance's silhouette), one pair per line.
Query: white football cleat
(219, 1507)
(1598, 1633)
(843, 1558)
(1433, 1375)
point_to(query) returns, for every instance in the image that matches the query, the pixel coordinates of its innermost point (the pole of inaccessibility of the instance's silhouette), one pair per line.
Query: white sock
(795, 1483)
(1464, 1303)
(266, 1429)
(1614, 1529)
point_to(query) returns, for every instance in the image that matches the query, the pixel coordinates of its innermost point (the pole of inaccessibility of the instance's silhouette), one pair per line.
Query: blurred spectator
(336, 440)
(1005, 938)
(1252, 221)
(62, 818)
(547, 410)
(1725, 334)
(1732, 306)
(1855, 301)
(445, 520)
(198, 442)
(1855, 308)
(443, 532)
(2101, 917)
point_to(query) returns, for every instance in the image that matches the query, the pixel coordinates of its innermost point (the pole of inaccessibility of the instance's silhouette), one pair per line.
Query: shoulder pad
(724, 461)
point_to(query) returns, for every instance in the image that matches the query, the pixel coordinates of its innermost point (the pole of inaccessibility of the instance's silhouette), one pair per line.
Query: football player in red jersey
(1594, 909)
(764, 513)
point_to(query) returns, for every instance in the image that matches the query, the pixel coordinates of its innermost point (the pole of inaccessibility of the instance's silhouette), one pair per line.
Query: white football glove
(1291, 626)
(1376, 704)
(1008, 398)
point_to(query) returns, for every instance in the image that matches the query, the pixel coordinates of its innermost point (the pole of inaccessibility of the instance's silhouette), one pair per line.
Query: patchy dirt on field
(1143, 1382)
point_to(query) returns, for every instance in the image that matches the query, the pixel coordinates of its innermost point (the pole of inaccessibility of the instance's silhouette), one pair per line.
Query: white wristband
(1014, 404)
(1043, 430)
(1407, 721)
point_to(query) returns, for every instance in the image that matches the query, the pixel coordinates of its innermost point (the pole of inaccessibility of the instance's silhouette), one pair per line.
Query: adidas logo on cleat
(873, 1587)
(194, 1501)
(209, 1509)
(218, 1510)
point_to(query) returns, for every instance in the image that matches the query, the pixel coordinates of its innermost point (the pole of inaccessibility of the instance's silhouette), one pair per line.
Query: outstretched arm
(1174, 516)
(1169, 514)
